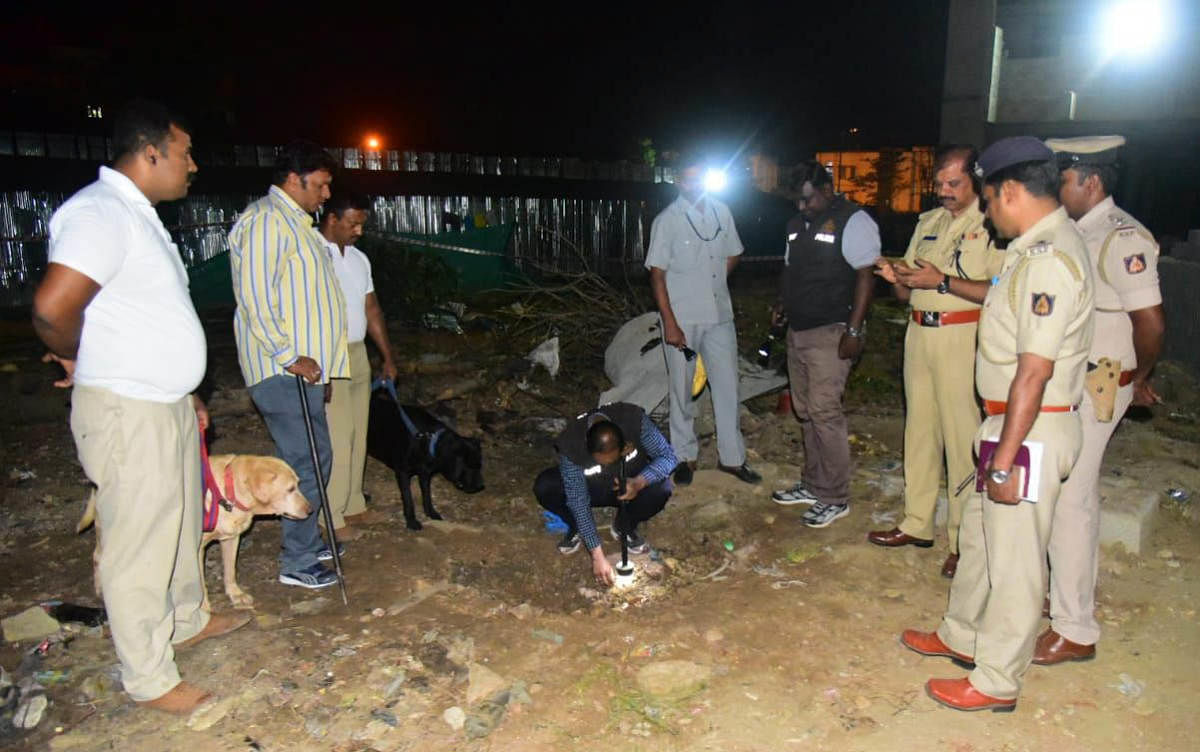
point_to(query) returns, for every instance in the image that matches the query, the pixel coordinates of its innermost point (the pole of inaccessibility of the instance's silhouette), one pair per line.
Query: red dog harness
(219, 498)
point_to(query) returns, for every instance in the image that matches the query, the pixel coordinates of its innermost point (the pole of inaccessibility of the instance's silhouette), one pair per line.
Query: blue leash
(390, 386)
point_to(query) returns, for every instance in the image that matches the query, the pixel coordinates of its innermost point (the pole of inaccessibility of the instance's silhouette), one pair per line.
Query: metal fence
(549, 234)
(99, 148)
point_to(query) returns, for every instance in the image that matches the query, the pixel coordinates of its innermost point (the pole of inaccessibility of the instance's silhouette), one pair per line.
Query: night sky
(586, 79)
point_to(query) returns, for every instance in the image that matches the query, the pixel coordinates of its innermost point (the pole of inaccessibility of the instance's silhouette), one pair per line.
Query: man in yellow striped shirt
(291, 321)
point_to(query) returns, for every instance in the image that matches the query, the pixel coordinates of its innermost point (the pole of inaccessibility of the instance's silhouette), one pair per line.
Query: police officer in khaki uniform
(1129, 335)
(1035, 333)
(950, 243)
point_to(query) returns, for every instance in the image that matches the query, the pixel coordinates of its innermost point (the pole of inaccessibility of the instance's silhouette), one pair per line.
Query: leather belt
(945, 318)
(991, 407)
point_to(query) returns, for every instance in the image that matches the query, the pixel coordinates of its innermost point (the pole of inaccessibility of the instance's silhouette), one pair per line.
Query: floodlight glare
(715, 180)
(1134, 28)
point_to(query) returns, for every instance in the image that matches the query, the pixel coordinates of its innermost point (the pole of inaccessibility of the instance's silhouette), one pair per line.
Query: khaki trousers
(817, 377)
(1075, 539)
(347, 413)
(940, 422)
(144, 458)
(996, 597)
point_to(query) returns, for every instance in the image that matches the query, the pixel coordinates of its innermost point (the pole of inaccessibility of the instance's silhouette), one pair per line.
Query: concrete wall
(1180, 280)
(1037, 89)
(970, 34)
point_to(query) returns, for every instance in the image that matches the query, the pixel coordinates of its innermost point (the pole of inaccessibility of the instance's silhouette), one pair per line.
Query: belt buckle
(929, 318)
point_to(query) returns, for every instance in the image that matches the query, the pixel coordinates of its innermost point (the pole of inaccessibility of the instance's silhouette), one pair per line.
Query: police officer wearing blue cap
(1034, 336)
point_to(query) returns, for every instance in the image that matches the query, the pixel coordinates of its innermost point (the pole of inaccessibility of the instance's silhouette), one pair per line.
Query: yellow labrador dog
(250, 486)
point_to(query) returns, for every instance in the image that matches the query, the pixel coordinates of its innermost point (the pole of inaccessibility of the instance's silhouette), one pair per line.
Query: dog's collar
(227, 495)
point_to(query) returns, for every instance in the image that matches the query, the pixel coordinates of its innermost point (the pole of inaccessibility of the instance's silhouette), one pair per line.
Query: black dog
(425, 449)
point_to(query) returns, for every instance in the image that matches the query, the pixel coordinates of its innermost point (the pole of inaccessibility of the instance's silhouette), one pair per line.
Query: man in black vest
(591, 451)
(825, 291)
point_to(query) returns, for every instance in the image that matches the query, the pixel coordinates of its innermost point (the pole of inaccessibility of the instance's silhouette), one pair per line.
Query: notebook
(1028, 466)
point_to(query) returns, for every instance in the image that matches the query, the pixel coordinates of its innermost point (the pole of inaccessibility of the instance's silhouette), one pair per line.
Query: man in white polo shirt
(694, 246)
(349, 405)
(114, 309)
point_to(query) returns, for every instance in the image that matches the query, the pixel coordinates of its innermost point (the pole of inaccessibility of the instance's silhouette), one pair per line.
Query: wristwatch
(1000, 477)
(852, 331)
(944, 286)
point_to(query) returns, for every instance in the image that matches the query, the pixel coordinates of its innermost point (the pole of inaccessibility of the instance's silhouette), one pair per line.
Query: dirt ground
(786, 636)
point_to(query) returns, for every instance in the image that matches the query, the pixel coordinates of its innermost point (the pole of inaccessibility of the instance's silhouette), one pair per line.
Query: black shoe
(742, 473)
(326, 555)
(637, 544)
(683, 474)
(569, 543)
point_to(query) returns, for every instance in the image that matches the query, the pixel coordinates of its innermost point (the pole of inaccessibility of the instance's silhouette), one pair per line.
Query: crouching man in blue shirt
(590, 452)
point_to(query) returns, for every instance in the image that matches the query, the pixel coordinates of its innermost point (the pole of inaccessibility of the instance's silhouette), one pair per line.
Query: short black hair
(344, 201)
(1107, 173)
(950, 153)
(604, 436)
(1041, 179)
(810, 172)
(302, 158)
(140, 123)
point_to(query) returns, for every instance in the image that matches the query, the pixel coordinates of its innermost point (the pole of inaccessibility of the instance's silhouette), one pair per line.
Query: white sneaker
(822, 515)
(797, 494)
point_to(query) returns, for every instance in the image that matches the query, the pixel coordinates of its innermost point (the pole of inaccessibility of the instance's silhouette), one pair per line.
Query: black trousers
(548, 488)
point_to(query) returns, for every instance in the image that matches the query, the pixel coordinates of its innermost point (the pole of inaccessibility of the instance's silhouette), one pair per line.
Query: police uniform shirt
(1041, 304)
(692, 247)
(1125, 258)
(959, 246)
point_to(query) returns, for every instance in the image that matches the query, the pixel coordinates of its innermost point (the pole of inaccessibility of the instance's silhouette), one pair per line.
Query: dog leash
(222, 498)
(390, 387)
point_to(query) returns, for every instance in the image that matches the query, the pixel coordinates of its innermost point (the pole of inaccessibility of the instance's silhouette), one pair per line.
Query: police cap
(1010, 151)
(1092, 150)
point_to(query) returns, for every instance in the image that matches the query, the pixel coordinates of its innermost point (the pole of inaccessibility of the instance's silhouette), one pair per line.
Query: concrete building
(1071, 67)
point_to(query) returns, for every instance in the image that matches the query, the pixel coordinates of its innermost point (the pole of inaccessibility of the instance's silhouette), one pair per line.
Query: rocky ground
(746, 631)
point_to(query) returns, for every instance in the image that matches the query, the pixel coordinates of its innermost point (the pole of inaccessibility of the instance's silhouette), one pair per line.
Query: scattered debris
(1129, 686)
(546, 355)
(440, 318)
(1181, 495)
(455, 717)
(673, 680)
(547, 635)
(21, 475)
(30, 624)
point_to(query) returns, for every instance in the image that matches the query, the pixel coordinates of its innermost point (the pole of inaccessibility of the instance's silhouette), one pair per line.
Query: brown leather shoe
(894, 537)
(960, 695)
(348, 533)
(1052, 648)
(218, 624)
(182, 699)
(368, 517)
(928, 643)
(950, 566)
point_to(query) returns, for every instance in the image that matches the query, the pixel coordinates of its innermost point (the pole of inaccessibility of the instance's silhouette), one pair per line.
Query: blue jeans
(279, 402)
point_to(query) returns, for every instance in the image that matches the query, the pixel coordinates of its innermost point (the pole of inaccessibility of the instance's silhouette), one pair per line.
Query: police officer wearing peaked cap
(1035, 333)
(1129, 335)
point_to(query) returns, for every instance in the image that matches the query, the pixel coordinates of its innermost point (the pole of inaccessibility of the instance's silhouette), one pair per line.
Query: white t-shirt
(353, 270)
(141, 337)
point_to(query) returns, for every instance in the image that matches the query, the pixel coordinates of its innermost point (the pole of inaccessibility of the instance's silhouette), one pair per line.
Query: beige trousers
(1075, 539)
(144, 458)
(996, 597)
(940, 422)
(347, 413)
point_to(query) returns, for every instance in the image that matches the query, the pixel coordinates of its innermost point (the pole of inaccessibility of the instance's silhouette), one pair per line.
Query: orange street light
(373, 143)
